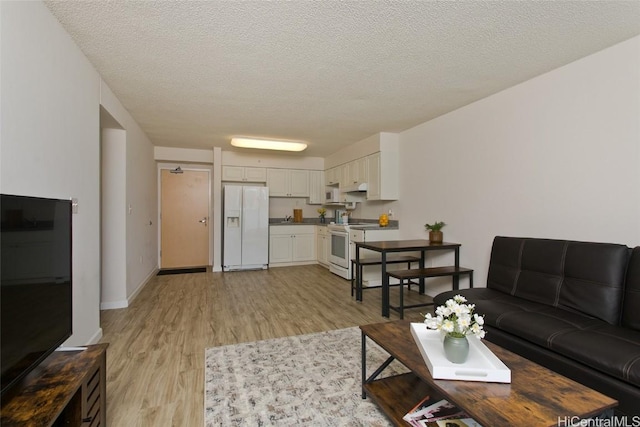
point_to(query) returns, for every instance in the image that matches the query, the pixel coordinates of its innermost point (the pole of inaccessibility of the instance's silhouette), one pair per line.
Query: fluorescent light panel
(268, 144)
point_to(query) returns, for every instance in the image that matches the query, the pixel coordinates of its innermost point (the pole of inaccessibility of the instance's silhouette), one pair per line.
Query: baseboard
(144, 283)
(113, 305)
(95, 339)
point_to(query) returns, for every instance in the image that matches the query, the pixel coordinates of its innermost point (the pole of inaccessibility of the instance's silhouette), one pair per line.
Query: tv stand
(67, 389)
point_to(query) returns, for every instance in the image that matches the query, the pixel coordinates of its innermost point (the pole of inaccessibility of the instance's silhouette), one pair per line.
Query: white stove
(342, 246)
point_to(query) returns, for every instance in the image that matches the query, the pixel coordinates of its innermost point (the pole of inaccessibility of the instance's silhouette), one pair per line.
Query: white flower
(431, 322)
(456, 317)
(463, 323)
(459, 299)
(448, 326)
(443, 311)
(479, 319)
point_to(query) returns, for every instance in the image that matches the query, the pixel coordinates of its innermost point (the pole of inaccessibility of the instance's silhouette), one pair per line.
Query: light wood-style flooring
(155, 360)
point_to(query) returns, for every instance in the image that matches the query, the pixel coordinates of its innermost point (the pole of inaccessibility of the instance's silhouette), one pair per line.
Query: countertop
(389, 227)
(311, 221)
(393, 225)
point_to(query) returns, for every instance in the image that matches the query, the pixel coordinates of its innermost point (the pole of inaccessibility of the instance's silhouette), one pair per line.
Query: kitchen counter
(393, 225)
(368, 227)
(311, 221)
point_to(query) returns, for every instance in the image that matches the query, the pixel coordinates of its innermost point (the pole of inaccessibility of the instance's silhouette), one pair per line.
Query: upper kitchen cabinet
(288, 182)
(332, 176)
(382, 169)
(355, 173)
(316, 187)
(244, 174)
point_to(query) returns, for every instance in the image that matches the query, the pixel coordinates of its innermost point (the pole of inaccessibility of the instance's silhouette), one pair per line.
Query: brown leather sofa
(571, 306)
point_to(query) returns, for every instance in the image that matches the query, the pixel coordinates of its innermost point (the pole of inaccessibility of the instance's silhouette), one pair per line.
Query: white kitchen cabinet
(355, 172)
(323, 240)
(382, 171)
(280, 248)
(343, 175)
(372, 274)
(288, 182)
(292, 245)
(332, 176)
(304, 247)
(316, 187)
(244, 174)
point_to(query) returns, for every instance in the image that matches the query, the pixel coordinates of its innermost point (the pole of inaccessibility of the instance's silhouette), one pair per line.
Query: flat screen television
(35, 290)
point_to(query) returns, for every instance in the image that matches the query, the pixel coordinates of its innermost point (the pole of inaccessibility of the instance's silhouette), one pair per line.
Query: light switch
(74, 205)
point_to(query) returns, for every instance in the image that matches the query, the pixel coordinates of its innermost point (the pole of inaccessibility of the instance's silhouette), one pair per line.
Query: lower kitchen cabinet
(323, 240)
(292, 245)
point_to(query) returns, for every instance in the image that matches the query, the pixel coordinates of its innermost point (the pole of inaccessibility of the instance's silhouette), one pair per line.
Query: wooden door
(184, 215)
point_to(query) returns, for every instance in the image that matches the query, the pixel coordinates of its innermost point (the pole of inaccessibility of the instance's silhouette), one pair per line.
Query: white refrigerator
(245, 228)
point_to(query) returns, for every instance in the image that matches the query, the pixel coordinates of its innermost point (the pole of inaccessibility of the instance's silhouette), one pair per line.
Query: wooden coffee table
(536, 396)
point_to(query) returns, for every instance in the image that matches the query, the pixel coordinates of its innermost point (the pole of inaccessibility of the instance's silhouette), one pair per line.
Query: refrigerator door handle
(204, 221)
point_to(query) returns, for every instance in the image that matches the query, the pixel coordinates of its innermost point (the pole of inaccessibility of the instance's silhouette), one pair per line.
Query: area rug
(311, 380)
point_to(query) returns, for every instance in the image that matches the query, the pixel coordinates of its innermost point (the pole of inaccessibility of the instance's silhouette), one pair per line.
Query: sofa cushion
(631, 306)
(613, 350)
(594, 277)
(578, 276)
(504, 268)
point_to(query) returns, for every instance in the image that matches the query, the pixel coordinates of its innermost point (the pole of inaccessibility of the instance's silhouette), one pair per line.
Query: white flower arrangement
(456, 319)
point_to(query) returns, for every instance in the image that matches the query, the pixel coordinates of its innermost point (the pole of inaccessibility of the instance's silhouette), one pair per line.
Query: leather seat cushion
(609, 349)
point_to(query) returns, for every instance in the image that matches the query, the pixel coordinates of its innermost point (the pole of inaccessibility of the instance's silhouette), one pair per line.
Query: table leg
(385, 284)
(423, 256)
(364, 363)
(358, 274)
(456, 278)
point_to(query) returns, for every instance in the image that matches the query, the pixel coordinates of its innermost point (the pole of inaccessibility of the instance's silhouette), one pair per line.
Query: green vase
(456, 349)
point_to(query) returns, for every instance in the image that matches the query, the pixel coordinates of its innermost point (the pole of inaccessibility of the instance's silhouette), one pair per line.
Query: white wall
(113, 189)
(51, 99)
(173, 154)
(50, 138)
(557, 156)
(141, 197)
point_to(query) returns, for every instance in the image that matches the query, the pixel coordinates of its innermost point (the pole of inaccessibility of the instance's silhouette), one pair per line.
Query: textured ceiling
(195, 73)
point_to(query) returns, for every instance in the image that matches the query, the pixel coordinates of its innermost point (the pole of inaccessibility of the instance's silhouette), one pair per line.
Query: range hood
(355, 188)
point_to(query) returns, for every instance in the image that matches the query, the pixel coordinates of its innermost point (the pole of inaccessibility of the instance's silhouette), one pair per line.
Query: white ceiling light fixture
(267, 144)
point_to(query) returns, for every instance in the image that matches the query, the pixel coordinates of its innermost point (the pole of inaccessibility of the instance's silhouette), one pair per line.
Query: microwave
(332, 195)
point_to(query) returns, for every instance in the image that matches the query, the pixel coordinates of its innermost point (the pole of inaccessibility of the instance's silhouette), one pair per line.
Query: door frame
(189, 167)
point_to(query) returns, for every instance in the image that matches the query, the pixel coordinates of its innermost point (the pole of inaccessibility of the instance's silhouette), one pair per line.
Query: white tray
(481, 365)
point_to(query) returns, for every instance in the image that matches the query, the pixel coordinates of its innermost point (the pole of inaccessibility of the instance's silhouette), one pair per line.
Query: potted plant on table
(456, 319)
(435, 235)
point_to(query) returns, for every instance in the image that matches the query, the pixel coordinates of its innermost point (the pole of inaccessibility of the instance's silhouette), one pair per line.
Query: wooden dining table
(423, 246)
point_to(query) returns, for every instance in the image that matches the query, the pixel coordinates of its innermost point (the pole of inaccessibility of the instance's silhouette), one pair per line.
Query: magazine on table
(434, 412)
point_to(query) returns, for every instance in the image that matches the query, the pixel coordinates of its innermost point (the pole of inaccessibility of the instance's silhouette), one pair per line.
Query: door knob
(203, 220)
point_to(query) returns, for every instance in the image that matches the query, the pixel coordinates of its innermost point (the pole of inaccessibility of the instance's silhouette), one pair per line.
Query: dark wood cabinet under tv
(67, 389)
